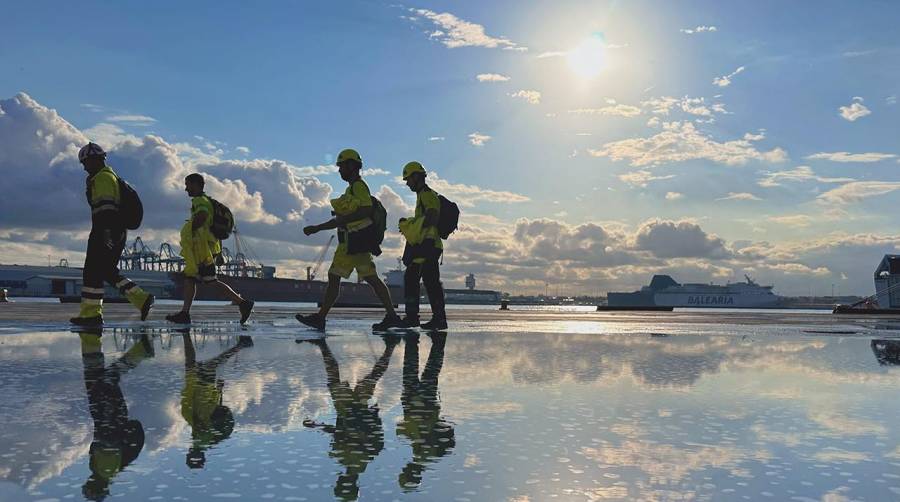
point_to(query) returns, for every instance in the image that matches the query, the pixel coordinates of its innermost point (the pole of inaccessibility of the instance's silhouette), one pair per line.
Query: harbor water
(525, 406)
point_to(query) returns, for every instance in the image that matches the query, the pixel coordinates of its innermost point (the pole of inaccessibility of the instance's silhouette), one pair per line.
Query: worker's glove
(310, 229)
(108, 239)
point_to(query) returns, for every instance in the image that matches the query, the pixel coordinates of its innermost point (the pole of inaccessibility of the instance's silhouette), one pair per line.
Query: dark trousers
(101, 265)
(429, 273)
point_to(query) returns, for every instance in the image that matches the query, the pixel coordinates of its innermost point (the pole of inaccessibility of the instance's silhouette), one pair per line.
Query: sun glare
(588, 59)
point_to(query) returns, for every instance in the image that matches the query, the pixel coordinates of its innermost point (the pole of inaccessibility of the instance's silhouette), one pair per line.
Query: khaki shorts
(343, 264)
(206, 274)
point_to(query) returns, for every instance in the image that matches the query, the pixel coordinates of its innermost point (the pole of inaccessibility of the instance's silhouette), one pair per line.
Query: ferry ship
(664, 291)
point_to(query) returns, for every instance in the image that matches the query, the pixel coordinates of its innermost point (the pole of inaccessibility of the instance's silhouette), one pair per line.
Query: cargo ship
(663, 291)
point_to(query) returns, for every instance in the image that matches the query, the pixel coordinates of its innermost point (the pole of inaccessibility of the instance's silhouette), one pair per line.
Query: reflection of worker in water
(118, 439)
(887, 352)
(431, 436)
(201, 400)
(357, 435)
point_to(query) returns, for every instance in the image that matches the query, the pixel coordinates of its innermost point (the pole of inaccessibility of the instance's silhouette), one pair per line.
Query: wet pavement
(546, 407)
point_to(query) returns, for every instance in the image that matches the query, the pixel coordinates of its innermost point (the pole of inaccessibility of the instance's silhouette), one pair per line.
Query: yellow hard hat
(348, 154)
(412, 167)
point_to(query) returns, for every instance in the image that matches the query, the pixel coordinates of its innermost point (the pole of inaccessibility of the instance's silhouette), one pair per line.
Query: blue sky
(722, 115)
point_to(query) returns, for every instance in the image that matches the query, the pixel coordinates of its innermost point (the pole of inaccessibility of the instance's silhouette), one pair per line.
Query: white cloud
(491, 77)
(661, 105)
(725, 80)
(798, 174)
(851, 157)
(94, 108)
(890, 100)
(792, 220)
(858, 191)
(478, 139)
(243, 149)
(133, 120)
(641, 178)
(436, 138)
(551, 54)
(454, 32)
(739, 196)
(620, 110)
(678, 239)
(674, 195)
(681, 141)
(855, 111)
(468, 195)
(532, 97)
(698, 29)
(374, 171)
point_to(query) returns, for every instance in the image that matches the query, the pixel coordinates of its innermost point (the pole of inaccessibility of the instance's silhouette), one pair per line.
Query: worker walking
(106, 240)
(423, 250)
(200, 249)
(354, 220)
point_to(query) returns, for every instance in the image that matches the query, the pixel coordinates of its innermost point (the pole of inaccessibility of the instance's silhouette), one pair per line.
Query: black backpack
(222, 220)
(448, 218)
(131, 210)
(379, 225)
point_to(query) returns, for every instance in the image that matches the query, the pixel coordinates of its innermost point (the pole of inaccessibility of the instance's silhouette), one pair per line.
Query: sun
(588, 59)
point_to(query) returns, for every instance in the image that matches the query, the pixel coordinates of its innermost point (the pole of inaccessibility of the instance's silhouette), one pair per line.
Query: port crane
(312, 271)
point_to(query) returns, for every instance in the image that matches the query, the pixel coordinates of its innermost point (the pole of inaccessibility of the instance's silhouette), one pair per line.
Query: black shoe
(145, 308)
(88, 322)
(245, 341)
(389, 321)
(246, 307)
(179, 318)
(410, 322)
(435, 324)
(312, 320)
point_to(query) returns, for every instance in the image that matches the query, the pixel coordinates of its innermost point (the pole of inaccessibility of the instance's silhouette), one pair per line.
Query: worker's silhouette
(430, 436)
(357, 435)
(118, 438)
(201, 400)
(887, 352)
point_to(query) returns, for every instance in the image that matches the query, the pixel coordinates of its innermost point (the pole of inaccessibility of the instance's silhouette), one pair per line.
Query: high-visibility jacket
(202, 204)
(356, 196)
(103, 196)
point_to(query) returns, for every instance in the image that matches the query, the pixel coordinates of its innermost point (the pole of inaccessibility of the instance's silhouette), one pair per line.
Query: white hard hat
(90, 150)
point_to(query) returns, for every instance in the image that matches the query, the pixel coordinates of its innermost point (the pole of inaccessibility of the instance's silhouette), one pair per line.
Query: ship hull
(715, 300)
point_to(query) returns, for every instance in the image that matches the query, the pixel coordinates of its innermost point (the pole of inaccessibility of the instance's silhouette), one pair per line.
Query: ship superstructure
(663, 291)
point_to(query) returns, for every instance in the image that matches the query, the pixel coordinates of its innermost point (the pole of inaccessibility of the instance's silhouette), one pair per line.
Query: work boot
(246, 307)
(145, 308)
(435, 324)
(87, 322)
(389, 321)
(312, 320)
(179, 318)
(411, 322)
(245, 341)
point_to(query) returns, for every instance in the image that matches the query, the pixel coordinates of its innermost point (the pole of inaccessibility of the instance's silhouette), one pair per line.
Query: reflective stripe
(91, 301)
(104, 207)
(85, 289)
(103, 200)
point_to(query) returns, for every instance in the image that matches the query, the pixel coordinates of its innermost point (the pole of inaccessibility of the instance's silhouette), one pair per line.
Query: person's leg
(366, 387)
(232, 295)
(190, 290)
(332, 291)
(382, 292)
(431, 276)
(92, 279)
(131, 291)
(411, 279)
